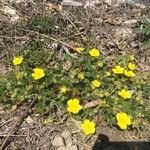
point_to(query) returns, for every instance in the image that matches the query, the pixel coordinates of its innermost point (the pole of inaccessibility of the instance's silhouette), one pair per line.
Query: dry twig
(13, 135)
(92, 104)
(6, 122)
(51, 38)
(19, 120)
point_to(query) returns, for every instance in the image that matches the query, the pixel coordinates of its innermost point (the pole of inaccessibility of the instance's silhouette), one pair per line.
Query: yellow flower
(108, 74)
(81, 75)
(17, 60)
(123, 120)
(19, 75)
(95, 84)
(38, 73)
(94, 52)
(63, 89)
(126, 94)
(74, 106)
(88, 127)
(131, 66)
(118, 69)
(129, 73)
(80, 49)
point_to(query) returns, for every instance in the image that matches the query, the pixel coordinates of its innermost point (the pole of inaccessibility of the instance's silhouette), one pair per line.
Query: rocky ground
(110, 26)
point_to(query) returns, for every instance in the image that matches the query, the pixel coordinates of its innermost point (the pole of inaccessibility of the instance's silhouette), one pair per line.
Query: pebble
(134, 44)
(108, 2)
(66, 134)
(71, 3)
(130, 22)
(12, 12)
(58, 141)
(91, 3)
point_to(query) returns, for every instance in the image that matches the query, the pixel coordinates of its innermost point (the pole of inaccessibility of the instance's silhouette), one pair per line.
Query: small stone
(130, 22)
(111, 44)
(71, 3)
(73, 147)
(58, 141)
(98, 37)
(9, 10)
(29, 120)
(92, 3)
(134, 44)
(129, 2)
(66, 134)
(141, 6)
(108, 2)
(12, 12)
(37, 115)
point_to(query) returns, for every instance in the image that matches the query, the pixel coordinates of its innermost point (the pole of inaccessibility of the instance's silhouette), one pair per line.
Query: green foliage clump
(76, 76)
(42, 23)
(143, 31)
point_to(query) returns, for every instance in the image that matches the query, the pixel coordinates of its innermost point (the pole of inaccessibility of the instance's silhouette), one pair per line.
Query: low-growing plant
(143, 31)
(81, 86)
(43, 23)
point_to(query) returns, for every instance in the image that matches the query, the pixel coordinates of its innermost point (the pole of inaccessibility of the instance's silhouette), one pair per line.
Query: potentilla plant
(112, 84)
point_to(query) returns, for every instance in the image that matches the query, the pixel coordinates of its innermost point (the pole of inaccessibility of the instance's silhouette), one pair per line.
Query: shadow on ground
(103, 143)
